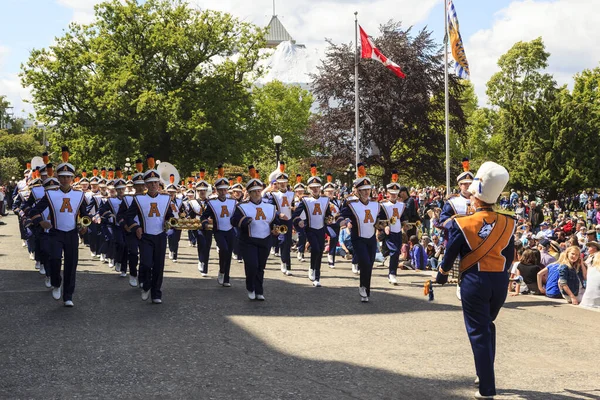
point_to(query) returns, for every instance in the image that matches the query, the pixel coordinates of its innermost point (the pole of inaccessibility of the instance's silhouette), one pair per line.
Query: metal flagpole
(356, 60)
(447, 105)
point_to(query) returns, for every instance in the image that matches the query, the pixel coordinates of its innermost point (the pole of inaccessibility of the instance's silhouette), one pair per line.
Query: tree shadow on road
(113, 345)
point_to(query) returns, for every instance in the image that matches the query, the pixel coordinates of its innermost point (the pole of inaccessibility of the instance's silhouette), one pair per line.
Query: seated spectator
(546, 258)
(526, 273)
(546, 230)
(547, 280)
(591, 297)
(554, 249)
(344, 248)
(561, 237)
(571, 272)
(418, 257)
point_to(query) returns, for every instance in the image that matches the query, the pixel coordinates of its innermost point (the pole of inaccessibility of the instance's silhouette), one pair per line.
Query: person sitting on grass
(418, 257)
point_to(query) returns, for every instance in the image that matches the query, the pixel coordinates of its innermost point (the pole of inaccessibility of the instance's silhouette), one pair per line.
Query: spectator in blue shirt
(418, 256)
(548, 281)
(570, 273)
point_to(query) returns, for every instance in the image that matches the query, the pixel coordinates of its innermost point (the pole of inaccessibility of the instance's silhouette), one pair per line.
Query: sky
(489, 28)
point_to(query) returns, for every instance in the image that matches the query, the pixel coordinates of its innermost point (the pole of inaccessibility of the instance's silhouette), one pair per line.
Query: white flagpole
(447, 105)
(356, 60)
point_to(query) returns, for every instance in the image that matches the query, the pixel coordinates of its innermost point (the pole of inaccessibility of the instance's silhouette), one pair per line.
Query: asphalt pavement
(210, 342)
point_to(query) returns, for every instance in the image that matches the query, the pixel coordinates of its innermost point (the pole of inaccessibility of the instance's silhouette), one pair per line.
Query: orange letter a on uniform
(154, 210)
(260, 214)
(285, 202)
(368, 217)
(66, 205)
(224, 212)
(396, 213)
(317, 209)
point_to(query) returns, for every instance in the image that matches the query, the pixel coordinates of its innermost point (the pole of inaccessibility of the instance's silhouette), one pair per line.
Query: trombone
(84, 222)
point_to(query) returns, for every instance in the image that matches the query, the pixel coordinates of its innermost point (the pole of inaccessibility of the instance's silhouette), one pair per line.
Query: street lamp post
(277, 140)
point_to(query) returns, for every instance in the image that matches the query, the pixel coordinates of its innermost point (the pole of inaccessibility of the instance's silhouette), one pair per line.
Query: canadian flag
(370, 51)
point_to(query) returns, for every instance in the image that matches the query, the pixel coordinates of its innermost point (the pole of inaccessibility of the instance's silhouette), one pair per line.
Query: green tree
(154, 77)
(279, 110)
(401, 120)
(9, 167)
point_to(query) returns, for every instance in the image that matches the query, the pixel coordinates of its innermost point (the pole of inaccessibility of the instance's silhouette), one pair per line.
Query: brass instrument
(282, 229)
(382, 223)
(84, 222)
(186, 224)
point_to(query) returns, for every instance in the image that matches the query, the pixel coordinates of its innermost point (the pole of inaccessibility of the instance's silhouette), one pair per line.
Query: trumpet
(382, 223)
(84, 222)
(281, 229)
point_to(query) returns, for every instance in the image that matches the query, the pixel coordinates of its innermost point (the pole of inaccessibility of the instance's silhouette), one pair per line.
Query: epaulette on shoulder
(77, 190)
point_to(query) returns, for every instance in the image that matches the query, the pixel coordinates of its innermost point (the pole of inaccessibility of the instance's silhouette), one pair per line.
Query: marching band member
(237, 193)
(457, 205)
(84, 183)
(93, 200)
(333, 229)
(153, 210)
(484, 242)
(190, 194)
(299, 193)
(255, 220)
(17, 199)
(131, 253)
(51, 183)
(317, 210)
(177, 208)
(65, 206)
(283, 199)
(203, 237)
(106, 224)
(108, 213)
(363, 213)
(392, 208)
(219, 212)
(37, 192)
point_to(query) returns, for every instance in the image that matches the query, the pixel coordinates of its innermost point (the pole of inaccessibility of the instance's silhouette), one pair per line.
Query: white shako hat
(489, 182)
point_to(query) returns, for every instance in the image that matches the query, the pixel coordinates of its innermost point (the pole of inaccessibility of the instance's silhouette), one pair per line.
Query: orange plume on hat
(202, 173)
(139, 165)
(103, 172)
(394, 176)
(50, 170)
(150, 161)
(257, 174)
(252, 171)
(298, 178)
(329, 177)
(220, 171)
(83, 173)
(77, 179)
(313, 169)
(45, 157)
(172, 179)
(28, 165)
(465, 164)
(95, 171)
(118, 173)
(190, 184)
(231, 182)
(129, 177)
(65, 154)
(238, 178)
(281, 166)
(361, 171)
(111, 174)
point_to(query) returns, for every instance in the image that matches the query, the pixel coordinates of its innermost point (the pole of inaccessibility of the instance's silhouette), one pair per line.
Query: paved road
(210, 342)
